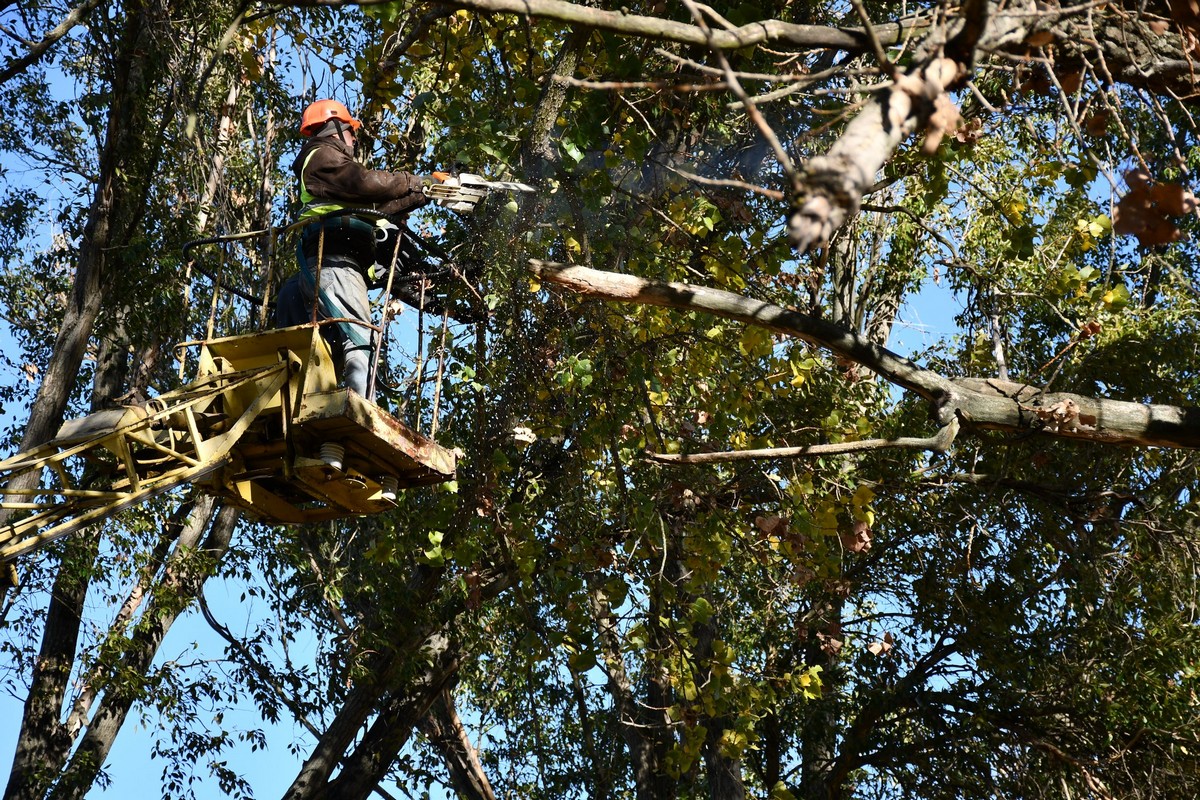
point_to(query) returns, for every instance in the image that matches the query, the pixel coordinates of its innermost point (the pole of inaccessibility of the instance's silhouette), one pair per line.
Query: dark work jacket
(330, 177)
(327, 169)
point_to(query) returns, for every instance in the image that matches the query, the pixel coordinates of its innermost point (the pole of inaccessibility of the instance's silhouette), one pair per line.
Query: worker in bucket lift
(330, 179)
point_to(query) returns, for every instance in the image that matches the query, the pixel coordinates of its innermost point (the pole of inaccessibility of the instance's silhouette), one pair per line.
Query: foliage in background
(1013, 618)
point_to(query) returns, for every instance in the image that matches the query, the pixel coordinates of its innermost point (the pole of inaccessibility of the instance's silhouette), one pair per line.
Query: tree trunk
(820, 729)
(724, 773)
(127, 161)
(445, 731)
(403, 709)
(642, 737)
(43, 742)
(183, 579)
(368, 764)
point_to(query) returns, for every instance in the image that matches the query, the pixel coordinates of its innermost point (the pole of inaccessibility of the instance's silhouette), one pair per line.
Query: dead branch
(977, 402)
(939, 443)
(76, 16)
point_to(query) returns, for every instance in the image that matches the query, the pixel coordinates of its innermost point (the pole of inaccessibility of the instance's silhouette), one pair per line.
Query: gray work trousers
(343, 294)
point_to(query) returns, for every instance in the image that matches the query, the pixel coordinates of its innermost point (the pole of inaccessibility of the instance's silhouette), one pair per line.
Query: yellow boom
(263, 426)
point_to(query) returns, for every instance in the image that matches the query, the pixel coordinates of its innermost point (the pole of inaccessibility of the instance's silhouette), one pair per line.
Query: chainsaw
(462, 192)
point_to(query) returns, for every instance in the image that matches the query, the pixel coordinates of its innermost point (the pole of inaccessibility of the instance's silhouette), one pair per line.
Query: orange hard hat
(322, 111)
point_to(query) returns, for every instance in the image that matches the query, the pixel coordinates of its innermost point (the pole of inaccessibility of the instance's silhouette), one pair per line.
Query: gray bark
(182, 579)
(128, 159)
(764, 32)
(368, 764)
(445, 731)
(974, 402)
(400, 695)
(42, 741)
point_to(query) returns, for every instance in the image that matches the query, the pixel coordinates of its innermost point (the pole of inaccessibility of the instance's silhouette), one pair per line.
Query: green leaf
(1116, 298)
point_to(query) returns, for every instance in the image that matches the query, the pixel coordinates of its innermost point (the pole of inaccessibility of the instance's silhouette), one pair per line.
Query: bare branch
(938, 443)
(621, 86)
(876, 46)
(752, 111)
(727, 183)
(978, 402)
(811, 36)
(76, 16)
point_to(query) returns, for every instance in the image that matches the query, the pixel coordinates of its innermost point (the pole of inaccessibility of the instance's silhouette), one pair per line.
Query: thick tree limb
(445, 731)
(646, 738)
(976, 402)
(769, 31)
(891, 366)
(44, 742)
(834, 183)
(76, 16)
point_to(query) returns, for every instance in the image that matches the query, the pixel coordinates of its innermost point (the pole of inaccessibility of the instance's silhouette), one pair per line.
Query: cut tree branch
(939, 443)
(977, 402)
(833, 184)
(76, 16)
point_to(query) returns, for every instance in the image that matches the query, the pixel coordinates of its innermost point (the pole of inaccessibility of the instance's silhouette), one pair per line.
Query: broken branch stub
(833, 184)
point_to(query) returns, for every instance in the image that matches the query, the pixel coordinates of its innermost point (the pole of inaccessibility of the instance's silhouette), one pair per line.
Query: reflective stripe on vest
(309, 208)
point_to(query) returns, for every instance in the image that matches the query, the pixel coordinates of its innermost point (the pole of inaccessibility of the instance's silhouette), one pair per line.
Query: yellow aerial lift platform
(263, 426)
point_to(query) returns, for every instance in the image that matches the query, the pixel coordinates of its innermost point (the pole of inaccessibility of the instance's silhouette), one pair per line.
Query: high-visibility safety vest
(312, 207)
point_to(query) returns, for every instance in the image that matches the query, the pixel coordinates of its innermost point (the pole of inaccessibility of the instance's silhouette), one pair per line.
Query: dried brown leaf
(801, 576)
(857, 540)
(829, 644)
(945, 118)
(882, 646)
(1096, 123)
(969, 132)
(772, 525)
(1144, 212)
(1173, 199)
(1070, 81)
(1159, 231)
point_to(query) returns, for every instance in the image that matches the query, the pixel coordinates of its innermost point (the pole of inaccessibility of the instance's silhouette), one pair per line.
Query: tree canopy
(715, 533)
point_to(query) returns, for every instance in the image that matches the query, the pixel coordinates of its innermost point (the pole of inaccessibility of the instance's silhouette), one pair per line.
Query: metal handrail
(378, 332)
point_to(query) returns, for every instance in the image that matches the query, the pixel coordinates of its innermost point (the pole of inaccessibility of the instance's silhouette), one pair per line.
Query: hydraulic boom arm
(263, 426)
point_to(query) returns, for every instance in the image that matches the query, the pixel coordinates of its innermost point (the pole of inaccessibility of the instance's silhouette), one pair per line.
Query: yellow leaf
(862, 495)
